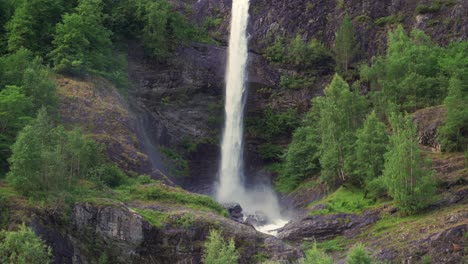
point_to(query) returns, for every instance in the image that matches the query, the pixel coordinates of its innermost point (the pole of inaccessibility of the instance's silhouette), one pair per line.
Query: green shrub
(316, 256)
(155, 218)
(428, 9)
(359, 255)
(110, 174)
(23, 247)
(217, 251)
(344, 200)
(275, 52)
(389, 20)
(178, 165)
(296, 81)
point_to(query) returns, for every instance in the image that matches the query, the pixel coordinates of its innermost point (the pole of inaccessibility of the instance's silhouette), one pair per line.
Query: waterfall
(231, 185)
(231, 173)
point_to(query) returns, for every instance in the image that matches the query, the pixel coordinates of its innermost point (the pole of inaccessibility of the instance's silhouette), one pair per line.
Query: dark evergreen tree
(346, 45)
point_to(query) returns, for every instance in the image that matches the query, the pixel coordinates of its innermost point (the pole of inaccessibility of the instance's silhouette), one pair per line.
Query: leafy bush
(359, 255)
(155, 218)
(427, 9)
(110, 174)
(316, 256)
(217, 251)
(296, 81)
(414, 72)
(276, 52)
(23, 247)
(344, 200)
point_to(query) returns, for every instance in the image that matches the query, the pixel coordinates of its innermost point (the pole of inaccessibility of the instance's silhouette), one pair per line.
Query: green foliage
(311, 56)
(316, 256)
(276, 52)
(47, 159)
(155, 218)
(32, 25)
(39, 86)
(333, 245)
(359, 255)
(414, 72)
(15, 109)
(158, 192)
(434, 7)
(273, 123)
(427, 259)
(346, 45)
(344, 200)
(109, 174)
(164, 28)
(217, 251)
(367, 160)
(301, 160)
(185, 221)
(389, 20)
(177, 164)
(23, 247)
(453, 134)
(12, 67)
(81, 41)
(408, 181)
(341, 112)
(296, 81)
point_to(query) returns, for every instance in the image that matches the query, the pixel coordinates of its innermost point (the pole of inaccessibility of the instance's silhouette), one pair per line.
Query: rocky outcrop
(123, 235)
(320, 227)
(94, 105)
(428, 120)
(320, 20)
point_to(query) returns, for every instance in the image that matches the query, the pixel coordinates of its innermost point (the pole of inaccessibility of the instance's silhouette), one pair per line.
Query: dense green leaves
(454, 133)
(367, 161)
(341, 112)
(23, 247)
(81, 41)
(405, 175)
(414, 72)
(217, 251)
(359, 255)
(32, 25)
(48, 159)
(15, 110)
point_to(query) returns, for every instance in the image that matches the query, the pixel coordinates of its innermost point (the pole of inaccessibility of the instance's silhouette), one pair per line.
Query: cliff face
(320, 19)
(117, 231)
(183, 98)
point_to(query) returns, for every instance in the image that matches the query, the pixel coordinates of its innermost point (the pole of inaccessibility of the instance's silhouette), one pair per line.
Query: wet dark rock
(320, 227)
(234, 210)
(257, 219)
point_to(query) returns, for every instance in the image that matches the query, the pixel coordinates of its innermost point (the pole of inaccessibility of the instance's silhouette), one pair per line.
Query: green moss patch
(344, 200)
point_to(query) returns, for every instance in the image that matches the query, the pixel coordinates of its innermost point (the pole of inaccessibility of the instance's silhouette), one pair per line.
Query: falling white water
(231, 186)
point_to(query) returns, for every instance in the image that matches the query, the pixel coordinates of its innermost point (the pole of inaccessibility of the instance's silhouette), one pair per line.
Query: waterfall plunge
(231, 187)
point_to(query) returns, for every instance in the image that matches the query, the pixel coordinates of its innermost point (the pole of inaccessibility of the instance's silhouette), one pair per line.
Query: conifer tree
(346, 45)
(370, 147)
(405, 175)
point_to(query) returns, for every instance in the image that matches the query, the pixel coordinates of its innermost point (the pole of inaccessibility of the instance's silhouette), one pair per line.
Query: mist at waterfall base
(231, 187)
